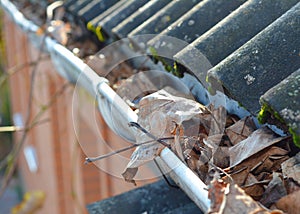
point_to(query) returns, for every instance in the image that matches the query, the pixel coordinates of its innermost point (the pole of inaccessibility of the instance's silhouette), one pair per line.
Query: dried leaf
(218, 120)
(129, 174)
(239, 176)
(241, 172)
(240, 130)
(292, 185)
(232, 199)
(254, 190)
(274, 191)
(256, 160)
(148, 82)
(160, 113)
(221, 157)
(216, 192)
(59, 31)
(177, 141)
(290, 203)
(213, 141)
(192, 160)
(291, 168)
(257, 141)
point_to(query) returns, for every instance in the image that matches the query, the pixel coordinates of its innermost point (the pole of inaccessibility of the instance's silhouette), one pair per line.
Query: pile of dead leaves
(247, 169)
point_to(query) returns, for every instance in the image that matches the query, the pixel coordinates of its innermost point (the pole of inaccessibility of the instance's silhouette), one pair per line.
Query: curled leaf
(160, 113)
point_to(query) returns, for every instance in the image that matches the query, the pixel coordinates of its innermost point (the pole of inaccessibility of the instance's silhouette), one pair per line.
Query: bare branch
(138, 126)
(90, 160)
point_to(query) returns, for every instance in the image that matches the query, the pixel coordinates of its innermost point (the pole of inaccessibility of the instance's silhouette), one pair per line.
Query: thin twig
(17, 68)
(11, 158)
(222, 171)
(89, 160)
(138, 126)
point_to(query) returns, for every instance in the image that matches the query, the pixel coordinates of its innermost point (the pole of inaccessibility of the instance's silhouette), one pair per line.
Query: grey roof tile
(120, 14)
(235, 30)
(193, 24)
(200, 18)
(283, 101)
(94, 8)
(137, 18)
(262, 62)
(69, 3)
(94, 22)
(163, 18)
(153, 198)
(249, 51)
(77, 5)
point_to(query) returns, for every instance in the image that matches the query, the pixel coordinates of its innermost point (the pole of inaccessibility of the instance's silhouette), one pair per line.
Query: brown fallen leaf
(159, 114)
(216, 192)
(59, 30)
(269, 164)
(253, 187)
(274, 191)
(238, 175)
(254, 190)
(143, 83)
(240, 130)
(291, 185)
(218, 120)
(221, 157)
(231, 119)
(230, 198)
(253, 164)
(177, 145)
(195, 164)
(290, 203)
(129, 174)
(257, 141)
(291, 168)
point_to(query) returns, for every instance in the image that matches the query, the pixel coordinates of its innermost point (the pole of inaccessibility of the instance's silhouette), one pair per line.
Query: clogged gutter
(245, 167)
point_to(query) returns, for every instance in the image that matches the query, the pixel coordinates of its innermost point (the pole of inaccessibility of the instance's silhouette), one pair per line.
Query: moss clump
(296, 137)
(97, 30)
(266, 112)
(172, 69)
(263, 114)
(177, 72)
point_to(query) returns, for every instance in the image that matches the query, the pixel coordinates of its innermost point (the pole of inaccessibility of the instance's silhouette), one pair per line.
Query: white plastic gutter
(76, 71)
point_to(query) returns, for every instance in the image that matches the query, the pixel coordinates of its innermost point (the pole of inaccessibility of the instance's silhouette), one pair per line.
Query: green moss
(262, 115)
(210, 88)
(265, 112)
(296, 137)
(176, 71)
(97, 30)
(172, 69)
